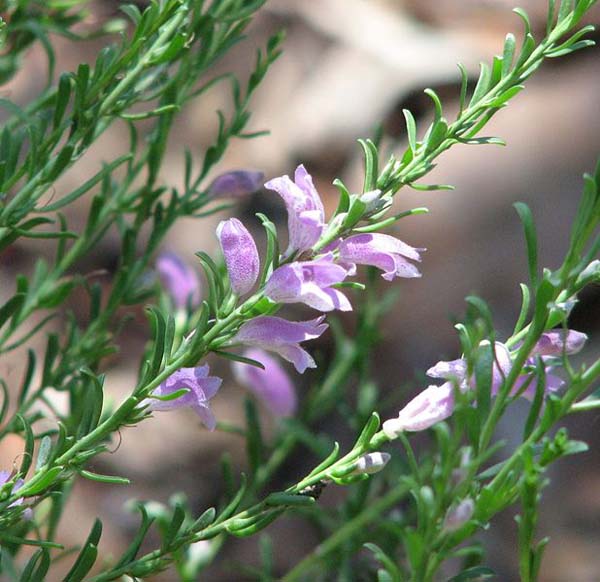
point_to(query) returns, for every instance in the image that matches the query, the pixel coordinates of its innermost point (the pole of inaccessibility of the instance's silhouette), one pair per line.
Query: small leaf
(111, 479)
(476, 573)
(483, 84)
(371, 164)
(411, 129)
(509, 53)
(531, 240)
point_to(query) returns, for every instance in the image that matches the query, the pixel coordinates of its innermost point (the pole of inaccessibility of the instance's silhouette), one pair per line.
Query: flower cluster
(436, 403)
(304, 275)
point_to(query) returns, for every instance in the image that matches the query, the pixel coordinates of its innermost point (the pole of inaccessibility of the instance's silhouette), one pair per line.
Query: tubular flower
(306, 215)
(429, 407)
(241, 256)
(236, 184)
(309, 282)
(271, 385)
(179, 279)
(282, 337)
(382, 251)
(201, 388)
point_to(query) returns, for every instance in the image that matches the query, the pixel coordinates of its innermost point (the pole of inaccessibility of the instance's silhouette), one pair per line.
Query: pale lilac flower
(459, 515)
(282, 337)
(429, 407)
(306, 215)
(271, 385)
(371, 463)
(236, 184)
(559, 341)
(179, 279)
(201, 388)
(241, 256)
(382, 251)
(309, 282)
(5, 476)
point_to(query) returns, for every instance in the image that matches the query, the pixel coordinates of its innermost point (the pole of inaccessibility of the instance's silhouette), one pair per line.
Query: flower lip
(309, 282)
(382, 251)
(283, 337)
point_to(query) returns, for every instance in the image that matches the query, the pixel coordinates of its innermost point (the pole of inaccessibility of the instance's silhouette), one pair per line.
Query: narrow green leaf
(111, 479)
(371, 164)
(509, 53)
(87, 556)
(436, 103)
(85, 187)
(43, 452)
(483, 84)
(530, 239)
(130, 553)
(254, 440)
(204, 520)
(464, 86)
(11, 307)
(538, 400)
(475, 573)
(411, 129)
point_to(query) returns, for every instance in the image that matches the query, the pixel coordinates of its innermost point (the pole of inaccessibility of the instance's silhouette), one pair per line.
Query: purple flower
(557, 342)
(201, 388)
(5, 476)
(306, 215)
(429, 407)
(241, 256)
(282, 337)
(272, 385)
(179, 279)
(382, 251)
(236, 184)
(309, 282)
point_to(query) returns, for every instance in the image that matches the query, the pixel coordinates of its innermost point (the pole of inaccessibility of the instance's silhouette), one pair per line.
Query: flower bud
(459, 514)
(236, 184)
(272, 385)
(590, 274)
(559, 341)
(371, 463)
(431, 406)
(241, 256)
(179, 279)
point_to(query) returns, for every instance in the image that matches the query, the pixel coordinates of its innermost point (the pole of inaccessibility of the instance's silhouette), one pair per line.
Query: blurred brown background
(347, 65)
